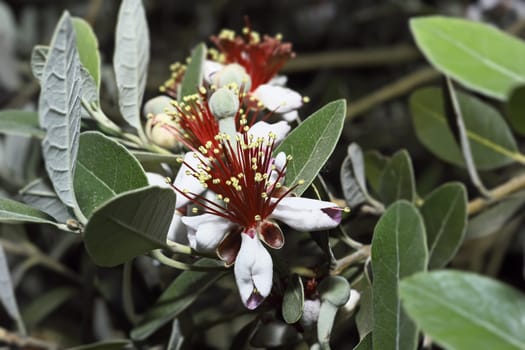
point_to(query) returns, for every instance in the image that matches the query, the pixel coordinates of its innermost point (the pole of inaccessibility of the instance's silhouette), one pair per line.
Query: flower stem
(163, 259)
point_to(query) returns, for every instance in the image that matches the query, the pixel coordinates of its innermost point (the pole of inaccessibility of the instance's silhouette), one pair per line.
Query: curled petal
(263, 129)
(209, 69)
(290, 116)
(206, 231)
(229, 247)
(253, 272)
(279, 80)
(271, 234)
(305, 214)
(185, 181)
(155, 179)
(277, 98)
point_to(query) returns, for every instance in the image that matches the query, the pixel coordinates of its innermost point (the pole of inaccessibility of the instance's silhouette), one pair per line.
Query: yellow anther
(257, 217)
(300, 182)
(194, 210)
(346, 209)
(202, 90)
(306, 99)
(226, 200)
(167, 180)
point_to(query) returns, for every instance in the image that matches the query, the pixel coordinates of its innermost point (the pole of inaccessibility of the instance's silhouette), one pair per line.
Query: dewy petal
(183, 181)
(208, 230)
(253, 272)
(305, 214)
(277, 98)
(263, 129)
(209, 69)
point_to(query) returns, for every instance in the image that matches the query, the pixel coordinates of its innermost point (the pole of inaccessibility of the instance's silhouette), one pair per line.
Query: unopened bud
(157, 105)
(158, 131)
(224, 103)
(233, 74)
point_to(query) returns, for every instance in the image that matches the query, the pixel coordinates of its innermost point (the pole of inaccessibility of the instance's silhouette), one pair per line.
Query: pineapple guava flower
(247, 182)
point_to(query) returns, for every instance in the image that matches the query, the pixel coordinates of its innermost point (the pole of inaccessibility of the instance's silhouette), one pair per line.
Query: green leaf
(148, 157)
(461, 310)
(311, 143)
(7, 295)
(87, 45)
(275, 334)
(131, 59)
(39, 195)
(12, 211)
(193, 76)
(20, 123)
(491, 141)
(59, 109)
(38, 60)
(494, 218)
(176, 336)
(375, 164)
(364, 316)
(445, 214)
(334, 289)
(365, 343)
(179, 295)
(130, 224)
(43, 305)
(399, 250)
(478, 55)
(117, 344)
(397, 181)
(516, 109)
(104, 169)
(325, 323)
(352, 176)
(293, 300)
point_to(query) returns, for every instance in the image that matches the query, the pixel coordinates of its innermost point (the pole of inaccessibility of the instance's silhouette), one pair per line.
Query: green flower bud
(224, 103)
(233, 74)
(157, 105)
(158, 131)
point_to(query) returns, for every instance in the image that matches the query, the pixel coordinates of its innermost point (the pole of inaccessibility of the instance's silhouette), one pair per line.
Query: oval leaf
(516, 109)
(312, 143)
(59, 109)
(104, 169)
(7, 295)
(327, 313)
(399, 250)
(193, 76)
(131, 224)
(20, 123)
(397, 181)
(334, 289)
(462, 310)
(353, 176)
(39, 194)
(179, 295)
(445, 215)
(131, 59)
(87, 45)
(293, 300)
(491, 141)
(12, 211)
(38, 60)
(480, 56)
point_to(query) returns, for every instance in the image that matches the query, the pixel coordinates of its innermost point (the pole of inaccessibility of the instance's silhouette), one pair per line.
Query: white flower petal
(207, 230)
(305, 214)
(290, 116)
(209, 68)
(177, 231)
(253, 271)
(279, 162)
(279, 80)
(277, 98)
(183, 181)
(263, 129)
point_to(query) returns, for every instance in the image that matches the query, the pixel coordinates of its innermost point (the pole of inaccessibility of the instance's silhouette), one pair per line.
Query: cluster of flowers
(229, 176)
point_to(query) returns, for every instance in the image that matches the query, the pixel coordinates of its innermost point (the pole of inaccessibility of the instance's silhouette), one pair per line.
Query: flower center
(262, 59)
(244, 177)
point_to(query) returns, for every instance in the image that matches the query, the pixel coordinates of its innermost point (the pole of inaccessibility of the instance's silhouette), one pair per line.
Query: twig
(23, 341)
(342, 264)
(380, 56)
(513, 185)
(388, 92)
